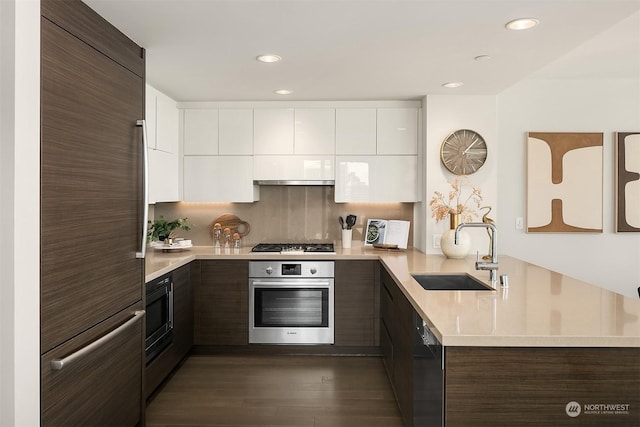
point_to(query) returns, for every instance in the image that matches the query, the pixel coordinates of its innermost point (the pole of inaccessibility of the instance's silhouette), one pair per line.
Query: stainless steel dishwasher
(428, 377)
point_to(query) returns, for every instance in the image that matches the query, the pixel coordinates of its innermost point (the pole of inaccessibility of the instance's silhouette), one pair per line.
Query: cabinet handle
(58, 364)
(145, 203)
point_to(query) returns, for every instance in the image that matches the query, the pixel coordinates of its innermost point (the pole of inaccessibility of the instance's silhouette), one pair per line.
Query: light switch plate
(519, 223)
(436, 240)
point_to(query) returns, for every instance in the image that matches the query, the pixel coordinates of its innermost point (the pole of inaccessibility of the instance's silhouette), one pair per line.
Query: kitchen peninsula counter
(540, 308)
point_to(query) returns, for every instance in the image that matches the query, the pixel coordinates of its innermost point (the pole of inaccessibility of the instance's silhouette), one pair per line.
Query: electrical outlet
(436, 240)
(519, 223)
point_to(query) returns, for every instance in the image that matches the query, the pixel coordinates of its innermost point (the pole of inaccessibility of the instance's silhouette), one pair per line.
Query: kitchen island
(544, 350)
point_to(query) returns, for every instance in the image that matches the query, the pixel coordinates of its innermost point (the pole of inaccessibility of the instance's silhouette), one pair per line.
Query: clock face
(463, 152)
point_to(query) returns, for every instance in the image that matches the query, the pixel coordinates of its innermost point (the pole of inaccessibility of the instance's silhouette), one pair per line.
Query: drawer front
(101, 387)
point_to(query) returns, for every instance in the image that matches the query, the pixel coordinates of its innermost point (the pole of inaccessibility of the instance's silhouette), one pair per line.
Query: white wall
(19, 213)
(610, 260)
(443, 115)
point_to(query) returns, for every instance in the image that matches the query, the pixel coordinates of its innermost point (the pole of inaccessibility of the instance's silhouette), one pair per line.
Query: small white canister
(346, 239)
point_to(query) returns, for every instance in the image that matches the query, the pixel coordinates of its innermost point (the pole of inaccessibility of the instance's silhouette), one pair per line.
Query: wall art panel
(564, 182)
(627, 181)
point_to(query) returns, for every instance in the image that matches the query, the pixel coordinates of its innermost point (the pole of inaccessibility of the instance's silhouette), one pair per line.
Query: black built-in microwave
(159, 317)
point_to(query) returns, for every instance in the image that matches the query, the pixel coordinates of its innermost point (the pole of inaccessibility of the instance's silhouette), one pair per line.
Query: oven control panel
(291, 268)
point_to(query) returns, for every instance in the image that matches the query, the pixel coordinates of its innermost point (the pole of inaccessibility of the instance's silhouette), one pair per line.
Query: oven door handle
(297, 283)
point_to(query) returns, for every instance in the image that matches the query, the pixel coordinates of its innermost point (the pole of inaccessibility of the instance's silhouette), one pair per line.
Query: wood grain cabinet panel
(90, 155)
(488, 386)
(221, 303)
(396, 339)
(102, 388)
(92, 94)
(356, 303)
(76, 18)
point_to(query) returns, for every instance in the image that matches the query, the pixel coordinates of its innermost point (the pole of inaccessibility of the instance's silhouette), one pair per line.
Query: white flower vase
(447, 245)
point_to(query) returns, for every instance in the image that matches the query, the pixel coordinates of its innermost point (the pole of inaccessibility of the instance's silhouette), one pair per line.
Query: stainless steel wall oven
(159, 318)
(291, 302)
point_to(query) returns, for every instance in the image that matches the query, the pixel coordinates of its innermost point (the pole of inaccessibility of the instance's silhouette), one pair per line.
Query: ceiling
(371, 49)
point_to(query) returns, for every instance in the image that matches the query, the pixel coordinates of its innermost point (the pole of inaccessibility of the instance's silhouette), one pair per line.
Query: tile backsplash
(283, 214)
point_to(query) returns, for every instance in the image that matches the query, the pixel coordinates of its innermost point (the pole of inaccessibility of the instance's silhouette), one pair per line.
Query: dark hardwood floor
(259, 390)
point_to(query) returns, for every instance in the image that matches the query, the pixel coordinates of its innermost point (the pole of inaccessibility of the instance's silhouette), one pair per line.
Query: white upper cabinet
(164, 185)
(376, 179)
(355, 131)
(150, 102)
(293, 168)
(219, 179)
(235, 131)
(162, 121)
(167, 119)
(397, 131)
(315, 131)
(200, 132)
(273, 130)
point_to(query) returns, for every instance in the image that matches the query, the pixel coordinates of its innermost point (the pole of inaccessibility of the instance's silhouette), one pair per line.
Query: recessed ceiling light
(522, 23)
(283, 92)
(482, 57)
(452, 84)
(268, 58)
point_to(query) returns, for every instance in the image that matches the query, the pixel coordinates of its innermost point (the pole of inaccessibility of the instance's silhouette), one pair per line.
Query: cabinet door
(376, 179)
(163, 177)
(219, 179)
(315, 131)
(167, 118)
(150, 106)
(182, 311)
(397, 320)
(235, 131)
(304, 168)
(221, 303)
(356, 131)
(386, 321)
(91, 186)
(273, 131)
(201, 132)
(102, 387)
(397, 131)
(356, 293)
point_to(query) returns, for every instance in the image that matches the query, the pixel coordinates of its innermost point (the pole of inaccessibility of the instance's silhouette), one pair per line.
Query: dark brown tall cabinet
(92, 94)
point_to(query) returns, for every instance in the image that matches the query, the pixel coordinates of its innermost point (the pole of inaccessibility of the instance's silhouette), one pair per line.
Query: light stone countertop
(540, 308)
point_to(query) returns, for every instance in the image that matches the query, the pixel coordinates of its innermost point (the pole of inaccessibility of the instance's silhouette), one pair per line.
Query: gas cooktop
(294, 248)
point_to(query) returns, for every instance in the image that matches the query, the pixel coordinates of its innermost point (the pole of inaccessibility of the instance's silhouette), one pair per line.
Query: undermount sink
(450, 282)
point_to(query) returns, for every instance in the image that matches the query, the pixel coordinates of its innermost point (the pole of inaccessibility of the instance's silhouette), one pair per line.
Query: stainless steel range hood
(293, 182)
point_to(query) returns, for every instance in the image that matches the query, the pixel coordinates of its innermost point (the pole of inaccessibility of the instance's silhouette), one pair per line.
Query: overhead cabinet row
(202, 154)
(301, 131)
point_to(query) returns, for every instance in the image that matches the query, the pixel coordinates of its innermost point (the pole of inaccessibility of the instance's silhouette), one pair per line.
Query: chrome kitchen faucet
(483, 265)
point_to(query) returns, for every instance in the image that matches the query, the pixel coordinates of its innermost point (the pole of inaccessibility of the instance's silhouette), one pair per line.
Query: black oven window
(297, 307)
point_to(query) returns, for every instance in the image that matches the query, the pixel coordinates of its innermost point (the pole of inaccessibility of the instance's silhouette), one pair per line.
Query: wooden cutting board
(235, 224)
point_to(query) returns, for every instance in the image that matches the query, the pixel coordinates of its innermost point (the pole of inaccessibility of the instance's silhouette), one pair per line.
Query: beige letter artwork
(564, 182)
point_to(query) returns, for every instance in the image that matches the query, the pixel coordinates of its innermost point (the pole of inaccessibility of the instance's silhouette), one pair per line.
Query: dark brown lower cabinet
(221, 303)
(101, 388)
(493, 386)
(160, 367)
(396, 342)
(357, 303)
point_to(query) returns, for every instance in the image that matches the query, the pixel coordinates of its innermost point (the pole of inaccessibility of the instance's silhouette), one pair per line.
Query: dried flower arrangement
(456, 204)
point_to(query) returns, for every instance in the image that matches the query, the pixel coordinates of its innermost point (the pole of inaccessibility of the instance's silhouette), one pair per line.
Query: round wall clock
(463, 152)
